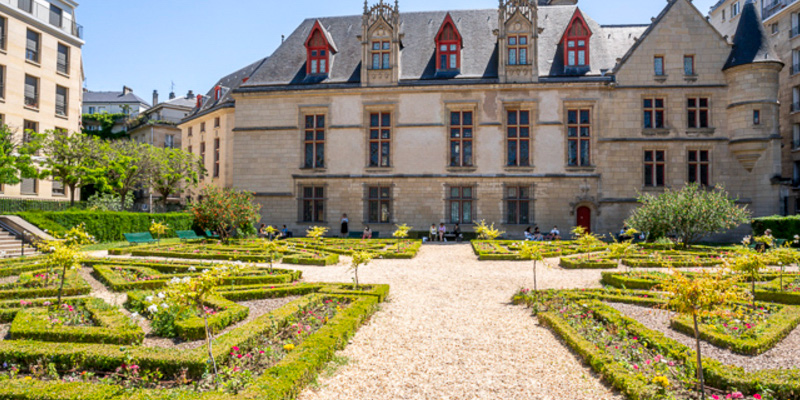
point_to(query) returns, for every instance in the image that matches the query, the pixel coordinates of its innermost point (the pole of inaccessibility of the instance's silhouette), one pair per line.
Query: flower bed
(37, 283)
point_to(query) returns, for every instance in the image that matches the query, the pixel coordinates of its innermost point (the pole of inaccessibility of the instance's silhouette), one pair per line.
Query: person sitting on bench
(528, 234)
(442, 231)
(432, 233)
(457, 233)
(555, 234)
(537, 234)
(367, 233)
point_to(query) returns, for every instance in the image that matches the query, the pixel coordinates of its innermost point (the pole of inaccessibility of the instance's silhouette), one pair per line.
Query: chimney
(171, 95)
(126, 90)
(190, 94)
(155, 98)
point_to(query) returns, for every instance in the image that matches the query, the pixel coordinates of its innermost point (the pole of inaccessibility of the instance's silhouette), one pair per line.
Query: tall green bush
(782, 227)
(107, 226)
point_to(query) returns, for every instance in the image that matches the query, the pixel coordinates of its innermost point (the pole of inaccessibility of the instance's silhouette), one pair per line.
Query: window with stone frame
(31, 91)
(312, 204)
(202, 127)
(518, 204)
(29, 127)
(314, 141)
(654, 168)
(697, 111)
(379, 204)
(62, 96)
(461, 136)
(756, 117)
(58, 189)
(33, 46)
(62, 63)
(518, 138)
(654, 113)
(699, 164)
(29, 186)
(658, 65)
(579, 137)
(216, 157)
(2, 81)
(381, 54)
(688, 65)
(460, 204)
(216, 122)
(203, 154)
(380, 139)
(518, 50)
(3, 32)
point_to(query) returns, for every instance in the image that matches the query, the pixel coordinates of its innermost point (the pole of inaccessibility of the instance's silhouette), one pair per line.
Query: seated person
(554, 234)
(432, 233)
(457, 232)
(537, 234)
(528, 234)
(262, 231)
(442, 231)
(623, 234)
(367, 233)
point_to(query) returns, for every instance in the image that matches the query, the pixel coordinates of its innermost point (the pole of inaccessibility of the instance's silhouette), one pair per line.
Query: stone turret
(518, 37)
(752, 72)
(381, 43)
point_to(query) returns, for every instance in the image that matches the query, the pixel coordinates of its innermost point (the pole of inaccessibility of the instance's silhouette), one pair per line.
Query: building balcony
(50, 16)
(772, 7)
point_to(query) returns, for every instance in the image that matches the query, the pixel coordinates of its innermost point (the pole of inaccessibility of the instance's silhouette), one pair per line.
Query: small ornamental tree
(697, 296)
(620, 249)
(360, 258)
(487, 232)
(271, 232)
(272, 251)
(64, 253)
(159, 229)
(529, 251)
(193, 293)
(586, 241)
(690, 214)
(401, 233)
(784, 256)
(223, 210)
(749, 264)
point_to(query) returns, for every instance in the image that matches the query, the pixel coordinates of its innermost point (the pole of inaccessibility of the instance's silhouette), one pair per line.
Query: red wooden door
(585, 218)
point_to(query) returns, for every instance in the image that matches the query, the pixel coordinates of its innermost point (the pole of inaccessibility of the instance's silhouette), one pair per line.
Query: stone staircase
(12, 247)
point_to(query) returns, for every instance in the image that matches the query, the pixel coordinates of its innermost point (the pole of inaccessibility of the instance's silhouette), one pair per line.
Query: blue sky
(148, 44)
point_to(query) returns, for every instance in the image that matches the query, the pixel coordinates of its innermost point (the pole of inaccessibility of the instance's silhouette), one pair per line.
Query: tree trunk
(208, 340)
(72, 195)
(701, 380)
(122, 196)
(753, 291)
(356, 285)
(61, 287)
(534, 276)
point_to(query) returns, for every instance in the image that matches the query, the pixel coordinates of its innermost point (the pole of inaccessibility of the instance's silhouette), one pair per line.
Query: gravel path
(8, 279)
(101, 291)
(783, 355)
(448, 332)
(4, 328)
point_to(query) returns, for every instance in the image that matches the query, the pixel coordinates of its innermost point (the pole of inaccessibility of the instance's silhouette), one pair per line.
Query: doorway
(585, 218)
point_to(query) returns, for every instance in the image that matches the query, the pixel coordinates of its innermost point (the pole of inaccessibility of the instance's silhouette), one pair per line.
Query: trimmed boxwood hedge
(621, 281)
(113, 327)
(581, 263)
(782, 227)
(74, 285)
(106, 226)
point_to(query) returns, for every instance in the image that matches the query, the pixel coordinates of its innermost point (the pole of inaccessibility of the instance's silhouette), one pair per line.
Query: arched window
(576, 42)
(319, 51)
(448, 46)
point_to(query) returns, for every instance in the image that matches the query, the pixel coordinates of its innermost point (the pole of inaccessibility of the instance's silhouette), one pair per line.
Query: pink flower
(715, 397)
(757, 396)
(636, 367)
(234, 348)
(238, 356)
(236, 369)
(261, 352)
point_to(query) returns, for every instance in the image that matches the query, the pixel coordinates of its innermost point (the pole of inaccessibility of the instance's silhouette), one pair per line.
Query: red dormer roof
(577, 27)
(452, 34)
(324, 36)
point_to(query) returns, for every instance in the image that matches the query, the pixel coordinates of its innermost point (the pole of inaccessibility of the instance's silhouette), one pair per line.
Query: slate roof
(228, 84)
(750, 43)
(286, 67)
(112, 98)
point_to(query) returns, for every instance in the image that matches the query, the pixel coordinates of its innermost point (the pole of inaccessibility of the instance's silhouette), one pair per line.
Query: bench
(210, 234)
(360, 234)
(138, 238)
(188, 235)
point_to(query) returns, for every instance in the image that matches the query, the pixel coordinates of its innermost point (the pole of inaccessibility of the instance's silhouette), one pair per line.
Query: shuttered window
(28, 186)
(2, 82)
(32, 46)
(61, 100)
(58, 189)
(63, 59)
(3, 29)
(31, 91)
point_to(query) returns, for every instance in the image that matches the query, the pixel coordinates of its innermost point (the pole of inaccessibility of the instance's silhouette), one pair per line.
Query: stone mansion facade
(528, 114)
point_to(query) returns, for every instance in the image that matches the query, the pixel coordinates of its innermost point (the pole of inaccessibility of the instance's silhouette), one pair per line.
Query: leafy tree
(173, 168)
(128, 166)
(360, 258)
(223, 210)
(697, 296)
(690, 214)
(64, 253)
(107, 122)
(159, 229)
(16, 157)
(72, 159)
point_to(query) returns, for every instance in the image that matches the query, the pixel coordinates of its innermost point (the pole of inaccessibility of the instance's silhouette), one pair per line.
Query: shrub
(106, 226)
(782, 227)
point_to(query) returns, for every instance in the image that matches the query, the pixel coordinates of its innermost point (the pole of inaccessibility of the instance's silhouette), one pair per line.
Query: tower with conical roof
(752, 73)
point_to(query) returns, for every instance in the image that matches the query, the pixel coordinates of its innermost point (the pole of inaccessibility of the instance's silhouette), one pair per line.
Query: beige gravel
(4, 331)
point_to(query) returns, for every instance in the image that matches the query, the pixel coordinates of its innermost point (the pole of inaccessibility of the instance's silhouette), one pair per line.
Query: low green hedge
(579, 263)
(621, 281)
(16, 266)
(74, 285)
(782, 324)
(299, 259)
(113, 327)
(110, 278)
(106, 226)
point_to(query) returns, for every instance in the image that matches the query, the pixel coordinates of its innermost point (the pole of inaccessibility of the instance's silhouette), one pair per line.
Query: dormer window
(380, 54)
(448, 46)
(217, 93)
(319, 49)
(518, 50)
(576, 42)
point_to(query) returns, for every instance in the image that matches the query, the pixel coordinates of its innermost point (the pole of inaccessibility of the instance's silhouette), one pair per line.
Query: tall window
(216, 158)
(31, 91)
(579, 132)
(379, 205)
(32, 46)
(62, 96)
(654, 165)
(756, 117)
(653, 113)
(735, 9)
(577, 43)
(56, 16)
(448, 45)
(29, 126)
(519, 138)
(699, 163)
(29, 186)
(658, 65)
(688, 65)
(58, 188)
(697, 112)
(25, 5)
(314, 141)
(189, 133)
(63, 59)
(202, 127)
(380, 54)
(796, 136)
(216, 122)
(380, 138)
(518, 205)
(203, 154)
(313, 204)
(318, 52)
(169, 141)
(2, 82)
(518, 50)
(3, 30)
(461, 139)
(460, 204)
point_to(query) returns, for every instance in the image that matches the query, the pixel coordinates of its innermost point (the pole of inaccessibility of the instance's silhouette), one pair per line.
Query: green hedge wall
(107, 226)
(782, 227)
